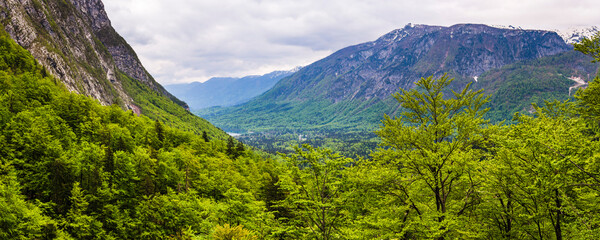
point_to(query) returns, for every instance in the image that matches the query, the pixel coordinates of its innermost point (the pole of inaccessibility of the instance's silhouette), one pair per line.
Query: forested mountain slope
(513, 88)
(71, 168)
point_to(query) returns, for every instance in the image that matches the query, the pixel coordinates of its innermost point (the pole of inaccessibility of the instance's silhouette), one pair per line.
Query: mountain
(74, 41)
(226, 91)
(352, 87)
(377, 69)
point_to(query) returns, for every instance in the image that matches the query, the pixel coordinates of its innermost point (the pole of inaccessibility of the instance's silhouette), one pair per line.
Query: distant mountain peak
(576, 34)
(408, 29)
(295, 69)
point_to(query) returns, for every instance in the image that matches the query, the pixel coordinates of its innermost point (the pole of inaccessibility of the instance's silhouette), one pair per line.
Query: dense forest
(71, 168)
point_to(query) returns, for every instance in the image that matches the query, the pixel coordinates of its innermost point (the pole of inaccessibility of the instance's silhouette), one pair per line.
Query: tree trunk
(557, 228)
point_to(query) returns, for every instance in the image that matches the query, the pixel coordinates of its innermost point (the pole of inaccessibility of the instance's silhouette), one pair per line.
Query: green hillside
(306, 115)
(157, 106)
(71, 168)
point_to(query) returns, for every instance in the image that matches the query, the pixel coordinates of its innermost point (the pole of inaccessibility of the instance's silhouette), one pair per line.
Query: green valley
(429, 132)
(275, 126)
(71, 168)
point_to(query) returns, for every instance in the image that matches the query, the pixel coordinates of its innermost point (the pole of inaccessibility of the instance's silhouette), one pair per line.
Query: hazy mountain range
(226, 91)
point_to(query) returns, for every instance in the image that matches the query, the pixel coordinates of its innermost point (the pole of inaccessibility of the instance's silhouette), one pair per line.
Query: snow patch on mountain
(576, 34)
(282, 73)
(506, 27)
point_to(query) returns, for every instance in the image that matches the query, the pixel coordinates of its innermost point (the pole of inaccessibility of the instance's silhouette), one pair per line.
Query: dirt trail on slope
(579, 83)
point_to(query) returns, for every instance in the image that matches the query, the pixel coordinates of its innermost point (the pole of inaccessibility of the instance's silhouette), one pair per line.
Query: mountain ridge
(395, 60)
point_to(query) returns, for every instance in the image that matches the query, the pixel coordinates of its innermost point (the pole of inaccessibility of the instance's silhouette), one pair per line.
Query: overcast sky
(193, 40)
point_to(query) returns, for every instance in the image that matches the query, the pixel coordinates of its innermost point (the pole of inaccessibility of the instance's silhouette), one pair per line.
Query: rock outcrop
(75, 41)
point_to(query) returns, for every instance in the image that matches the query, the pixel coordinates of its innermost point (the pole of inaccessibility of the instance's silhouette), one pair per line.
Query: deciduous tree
(436, 145)
(316, 191)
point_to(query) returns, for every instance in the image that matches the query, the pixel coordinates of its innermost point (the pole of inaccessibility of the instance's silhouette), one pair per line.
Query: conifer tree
(205, 136)
(231, 151)
(109, 161)
(239, 149)
(79, 224)
(160, 132)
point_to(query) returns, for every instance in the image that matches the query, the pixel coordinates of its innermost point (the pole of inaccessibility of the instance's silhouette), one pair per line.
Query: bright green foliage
(81, 225)
(317, 191)
(436, 147)
(227, 232)
(20, 219)
(174, 215)
(70, 167)
(158, 107)
(376, 205)
(16, 60)
(589, 103)
(542, 179)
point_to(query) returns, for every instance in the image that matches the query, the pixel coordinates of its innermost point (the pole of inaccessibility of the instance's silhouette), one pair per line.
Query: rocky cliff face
(123, 55)
(396, 60)
(75, 41)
